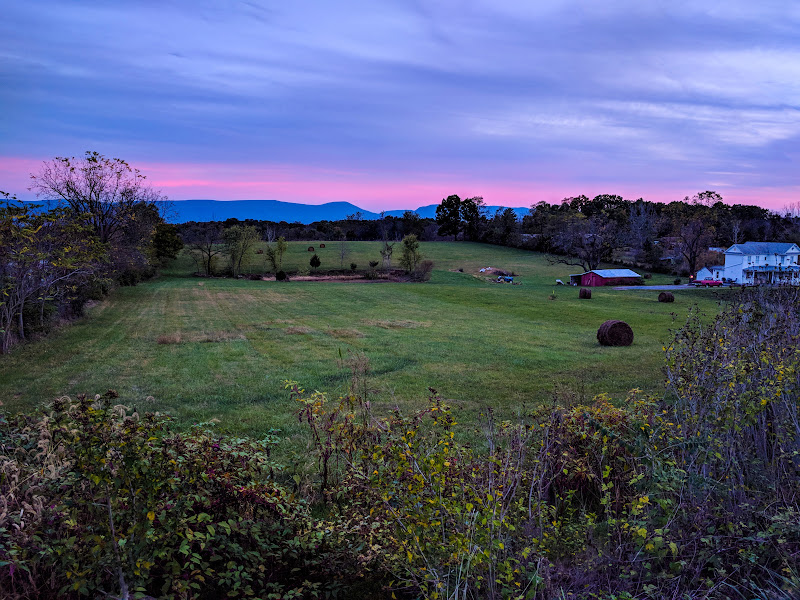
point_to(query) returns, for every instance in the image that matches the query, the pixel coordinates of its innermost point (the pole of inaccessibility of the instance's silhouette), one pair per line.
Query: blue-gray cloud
(652, 92)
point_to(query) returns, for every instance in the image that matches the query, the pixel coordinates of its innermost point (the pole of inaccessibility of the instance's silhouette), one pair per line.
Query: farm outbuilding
(600, 277)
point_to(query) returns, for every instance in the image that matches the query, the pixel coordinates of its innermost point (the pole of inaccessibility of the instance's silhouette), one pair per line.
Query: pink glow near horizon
(370, 191)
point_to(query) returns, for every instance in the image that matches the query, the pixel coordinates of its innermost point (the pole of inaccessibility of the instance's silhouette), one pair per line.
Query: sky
(395, 104)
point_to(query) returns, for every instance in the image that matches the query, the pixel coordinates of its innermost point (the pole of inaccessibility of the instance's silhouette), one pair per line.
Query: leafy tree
(239, 240)
(455, 216)
(412, 223)
(274, 253)
(315, 262)
(708, 198)
(166, 243)
(448, 216)
(472, 213)
(608, 206)
(42, 255)
(411, 255)
(503, 228)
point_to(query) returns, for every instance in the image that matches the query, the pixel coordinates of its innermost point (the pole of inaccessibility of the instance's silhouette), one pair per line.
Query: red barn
(600, 277)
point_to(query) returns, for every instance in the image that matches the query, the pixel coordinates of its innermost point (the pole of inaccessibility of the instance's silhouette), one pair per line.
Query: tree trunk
(21, 322)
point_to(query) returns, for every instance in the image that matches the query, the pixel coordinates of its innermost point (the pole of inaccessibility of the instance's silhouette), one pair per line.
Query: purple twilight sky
(396, 104)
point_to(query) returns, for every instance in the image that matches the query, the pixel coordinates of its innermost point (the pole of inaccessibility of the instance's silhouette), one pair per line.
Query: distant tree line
(104, 230)
(351, 229)
(675, 237)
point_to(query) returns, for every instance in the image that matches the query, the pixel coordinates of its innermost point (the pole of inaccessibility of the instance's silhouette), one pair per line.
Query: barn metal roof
(608, 273)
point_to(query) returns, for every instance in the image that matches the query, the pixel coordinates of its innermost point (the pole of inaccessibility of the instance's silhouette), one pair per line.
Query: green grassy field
(231, 343)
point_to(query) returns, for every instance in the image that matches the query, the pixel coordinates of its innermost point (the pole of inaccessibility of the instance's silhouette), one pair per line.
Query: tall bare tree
(204, 242)
(584, 242)
(105, 190)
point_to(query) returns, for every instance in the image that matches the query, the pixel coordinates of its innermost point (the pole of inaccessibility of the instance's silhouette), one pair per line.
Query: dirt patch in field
(298, 330)
(345, 278)
(204, 337)
(256, 297)
(346, 333)
(220, 336)
(398, 324)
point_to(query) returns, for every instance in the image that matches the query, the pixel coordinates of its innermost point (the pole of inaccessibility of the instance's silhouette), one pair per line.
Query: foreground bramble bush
(98, 501)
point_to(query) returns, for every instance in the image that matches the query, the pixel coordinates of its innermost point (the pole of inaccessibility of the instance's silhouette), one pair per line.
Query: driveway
(658, 288)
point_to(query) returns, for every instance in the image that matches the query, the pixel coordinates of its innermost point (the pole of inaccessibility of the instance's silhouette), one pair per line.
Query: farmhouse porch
(772, 275)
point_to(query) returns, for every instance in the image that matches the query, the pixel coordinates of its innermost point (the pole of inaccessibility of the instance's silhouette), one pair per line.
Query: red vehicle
(708, 283)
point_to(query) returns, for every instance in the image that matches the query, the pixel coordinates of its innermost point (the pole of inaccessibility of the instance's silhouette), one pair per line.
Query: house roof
(608, 273)
(711, 269)
(764, 248)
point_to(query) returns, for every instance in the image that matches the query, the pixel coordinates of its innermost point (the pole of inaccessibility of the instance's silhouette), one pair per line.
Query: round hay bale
(666, 297)
(322, 245)
(310, 248)
(585, 294)
(615, 333)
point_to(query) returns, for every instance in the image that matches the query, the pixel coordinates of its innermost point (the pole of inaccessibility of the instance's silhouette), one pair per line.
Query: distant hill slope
(181, 211)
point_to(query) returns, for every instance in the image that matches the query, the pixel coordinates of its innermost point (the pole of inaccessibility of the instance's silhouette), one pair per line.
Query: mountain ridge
(182, 211)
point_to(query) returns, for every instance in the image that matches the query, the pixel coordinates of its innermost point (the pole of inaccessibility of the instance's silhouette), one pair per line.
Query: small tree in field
(411, 255)
(204, 244)
(315, 262)
(238, 242)
(386, 254)
(275, 252)
(344, 252)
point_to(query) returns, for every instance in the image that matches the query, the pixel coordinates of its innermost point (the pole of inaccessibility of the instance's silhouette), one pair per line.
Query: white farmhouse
(761, 262)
